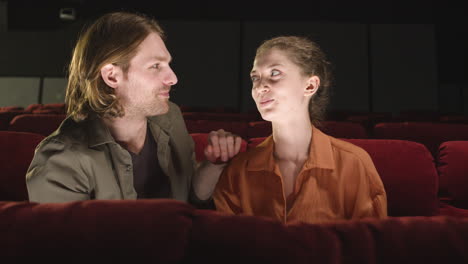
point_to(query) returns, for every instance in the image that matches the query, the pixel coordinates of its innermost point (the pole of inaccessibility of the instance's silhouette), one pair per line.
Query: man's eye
(155, 66)
(275, 73)
(254, 78)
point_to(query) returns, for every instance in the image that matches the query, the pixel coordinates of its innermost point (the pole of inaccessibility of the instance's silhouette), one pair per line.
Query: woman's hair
(312, 60)
(113, 38)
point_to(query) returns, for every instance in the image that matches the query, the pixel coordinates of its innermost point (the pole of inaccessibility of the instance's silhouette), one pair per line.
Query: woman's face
(279, 87)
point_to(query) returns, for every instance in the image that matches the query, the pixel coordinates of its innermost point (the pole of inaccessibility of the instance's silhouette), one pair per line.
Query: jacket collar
(99, 134)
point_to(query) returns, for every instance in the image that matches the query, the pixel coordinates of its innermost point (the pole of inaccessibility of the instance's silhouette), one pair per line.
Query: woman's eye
(275, 73)
(254, 78)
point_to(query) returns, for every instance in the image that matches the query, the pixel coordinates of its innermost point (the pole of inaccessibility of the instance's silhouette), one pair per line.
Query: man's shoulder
(69, 133)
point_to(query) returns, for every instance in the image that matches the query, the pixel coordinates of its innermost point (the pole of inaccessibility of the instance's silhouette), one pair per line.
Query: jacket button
(129, 167)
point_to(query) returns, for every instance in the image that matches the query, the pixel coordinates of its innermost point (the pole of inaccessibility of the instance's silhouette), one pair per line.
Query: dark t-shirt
(149, 180)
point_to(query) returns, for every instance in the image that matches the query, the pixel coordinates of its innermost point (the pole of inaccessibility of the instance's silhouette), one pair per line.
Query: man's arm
(222, 146)
(55, 175)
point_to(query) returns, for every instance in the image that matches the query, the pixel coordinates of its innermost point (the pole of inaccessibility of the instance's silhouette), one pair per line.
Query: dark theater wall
(386, 58)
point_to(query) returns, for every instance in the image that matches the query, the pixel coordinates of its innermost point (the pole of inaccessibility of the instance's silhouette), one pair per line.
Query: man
(123, 138)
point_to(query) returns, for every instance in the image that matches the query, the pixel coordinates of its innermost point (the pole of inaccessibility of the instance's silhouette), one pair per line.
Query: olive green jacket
(82, 161)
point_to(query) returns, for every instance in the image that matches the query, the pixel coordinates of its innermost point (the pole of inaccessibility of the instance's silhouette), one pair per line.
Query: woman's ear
(313, 86)
(111, 74)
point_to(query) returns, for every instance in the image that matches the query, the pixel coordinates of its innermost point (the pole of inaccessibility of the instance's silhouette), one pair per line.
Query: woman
(298, 173)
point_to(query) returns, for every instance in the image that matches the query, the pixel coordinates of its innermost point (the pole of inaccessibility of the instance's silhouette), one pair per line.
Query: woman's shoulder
(350, 150)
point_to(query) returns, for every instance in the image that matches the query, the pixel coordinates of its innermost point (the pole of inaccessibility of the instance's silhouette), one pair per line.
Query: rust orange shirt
(338, 181)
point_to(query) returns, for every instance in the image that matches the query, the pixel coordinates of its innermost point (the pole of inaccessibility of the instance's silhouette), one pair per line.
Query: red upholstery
(11, 108)
(418, 116)
(58, 109)
(239, 239)
(407, 171)
(252, 142)
(343, 129)
(156, 230)
(246, 117)
(454, 118)
(33, 107)
(205, 126)
(429, 134)
(452, 165)
(167, 231)
(333, 128)
(201, 141)
(16, 153)
(258, 129)
(6, 117)
(35, 123)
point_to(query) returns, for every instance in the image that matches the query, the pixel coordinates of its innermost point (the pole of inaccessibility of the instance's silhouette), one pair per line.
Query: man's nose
(171, 78)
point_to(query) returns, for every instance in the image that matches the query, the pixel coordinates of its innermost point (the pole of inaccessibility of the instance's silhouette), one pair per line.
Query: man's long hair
(113, 38)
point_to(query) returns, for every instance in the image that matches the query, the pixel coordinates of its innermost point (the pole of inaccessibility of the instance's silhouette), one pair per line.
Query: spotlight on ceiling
(68, 14)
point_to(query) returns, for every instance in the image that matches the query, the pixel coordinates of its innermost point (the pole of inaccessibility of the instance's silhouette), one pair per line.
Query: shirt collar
(98, 132)
(320, 154)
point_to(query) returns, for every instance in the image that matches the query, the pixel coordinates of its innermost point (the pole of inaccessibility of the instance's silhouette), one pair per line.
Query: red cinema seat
(32, 107)
(342, 129)
(409, 175)
(11, 108)
(56, 109)
(16, 153)
(36, 123)
(201, 141)
(258, 129)
(429, 134)
(152, 230)
(6, 117)
(338, 129)
(452, 165)
(206, 126)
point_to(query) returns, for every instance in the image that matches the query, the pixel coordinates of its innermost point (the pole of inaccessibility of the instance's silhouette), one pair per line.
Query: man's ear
(111, 74)
(313, 86)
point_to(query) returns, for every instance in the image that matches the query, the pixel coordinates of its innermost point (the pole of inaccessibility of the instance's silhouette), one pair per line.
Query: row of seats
(7, 114)
(429, 134)
(167, 231)
(229, 114)
(407, 169)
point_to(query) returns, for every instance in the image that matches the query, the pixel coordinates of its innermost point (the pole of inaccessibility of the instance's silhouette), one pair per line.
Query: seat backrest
(201, 141)
(43, 124)
(452, 166)
(429, 134)
(258, 129)
(6, 117)
(16, 153)
(408, 173)
(343, 129)
(205, 126)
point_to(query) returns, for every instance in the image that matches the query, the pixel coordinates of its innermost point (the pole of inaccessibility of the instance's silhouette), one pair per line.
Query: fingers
(209, 154)
(230, 145)
(237, 145)
(223, 145)
(213, 140)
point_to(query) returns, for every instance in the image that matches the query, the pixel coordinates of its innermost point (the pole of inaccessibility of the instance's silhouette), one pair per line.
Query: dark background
(388, 57)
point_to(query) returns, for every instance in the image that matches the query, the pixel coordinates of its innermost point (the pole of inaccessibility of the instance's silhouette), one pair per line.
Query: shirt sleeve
(55, 175)
(225, 197)
(370, 196)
